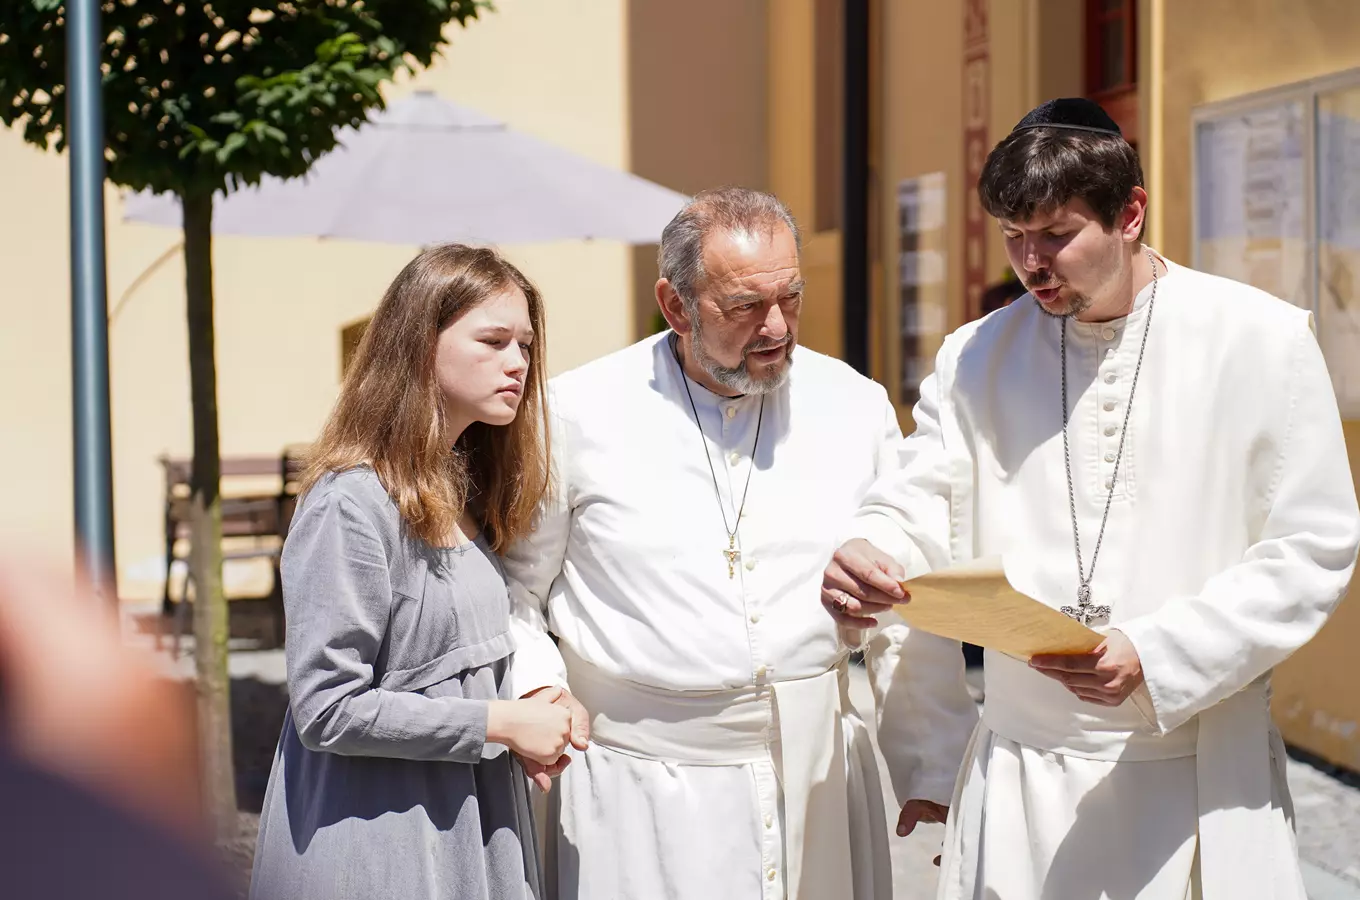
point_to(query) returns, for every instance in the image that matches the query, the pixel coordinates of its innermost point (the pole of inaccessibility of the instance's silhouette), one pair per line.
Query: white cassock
(726, 760)
(1232, 535)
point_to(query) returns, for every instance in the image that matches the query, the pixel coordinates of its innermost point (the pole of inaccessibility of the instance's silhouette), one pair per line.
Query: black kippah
(1069, 112)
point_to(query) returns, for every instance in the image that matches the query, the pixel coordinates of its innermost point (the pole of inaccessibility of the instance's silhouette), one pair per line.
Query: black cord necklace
(731, 554)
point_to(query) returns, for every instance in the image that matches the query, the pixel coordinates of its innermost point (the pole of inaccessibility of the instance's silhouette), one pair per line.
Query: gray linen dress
(383, 785)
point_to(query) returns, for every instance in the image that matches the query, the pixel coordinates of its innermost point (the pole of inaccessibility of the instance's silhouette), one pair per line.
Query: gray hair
(681, 257)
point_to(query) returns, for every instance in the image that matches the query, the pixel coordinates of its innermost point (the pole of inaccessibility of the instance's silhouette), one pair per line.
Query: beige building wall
(35, 339)
(697, 91)
(1033, 55)
(793, 123)
(554, 70)
(725, 92)
(1055, 28)
(1317, 693)
(697, 101)
(1215, 50)
(920, 133)
(1016, 47)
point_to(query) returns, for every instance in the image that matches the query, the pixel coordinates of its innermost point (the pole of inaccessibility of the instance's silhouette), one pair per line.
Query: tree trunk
(205, 558)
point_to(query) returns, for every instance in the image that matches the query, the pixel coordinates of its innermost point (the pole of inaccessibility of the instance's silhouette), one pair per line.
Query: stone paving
(1327, 820)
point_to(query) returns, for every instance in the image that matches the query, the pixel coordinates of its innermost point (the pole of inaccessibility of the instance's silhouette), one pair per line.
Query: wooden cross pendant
(1084, 612)
(732, 554)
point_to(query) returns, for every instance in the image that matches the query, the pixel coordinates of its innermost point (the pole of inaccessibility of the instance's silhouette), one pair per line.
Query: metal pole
(855, 196)
(89, 304)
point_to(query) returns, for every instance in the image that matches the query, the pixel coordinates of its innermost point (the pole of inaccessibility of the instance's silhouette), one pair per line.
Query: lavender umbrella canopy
(424, 171)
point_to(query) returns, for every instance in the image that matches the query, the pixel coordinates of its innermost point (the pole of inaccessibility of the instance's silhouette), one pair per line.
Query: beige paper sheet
(975, 603)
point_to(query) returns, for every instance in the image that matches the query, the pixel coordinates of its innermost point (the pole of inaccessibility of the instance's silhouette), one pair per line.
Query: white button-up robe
(627, 567)
(1232, 534)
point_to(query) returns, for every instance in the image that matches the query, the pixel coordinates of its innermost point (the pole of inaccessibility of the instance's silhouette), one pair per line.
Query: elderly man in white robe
(1158, 453)
(706, 475)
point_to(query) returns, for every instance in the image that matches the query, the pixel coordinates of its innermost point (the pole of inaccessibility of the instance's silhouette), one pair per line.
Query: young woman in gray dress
(401, 770)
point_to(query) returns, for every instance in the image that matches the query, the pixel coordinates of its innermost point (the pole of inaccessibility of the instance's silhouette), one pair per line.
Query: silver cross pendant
(1084, 612)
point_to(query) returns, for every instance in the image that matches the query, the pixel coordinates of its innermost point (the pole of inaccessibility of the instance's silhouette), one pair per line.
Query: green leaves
(235, 141)
(184, 116)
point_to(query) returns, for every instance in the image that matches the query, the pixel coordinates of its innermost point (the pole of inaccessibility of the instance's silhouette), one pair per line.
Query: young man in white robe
(1205, 522)
(705, 476)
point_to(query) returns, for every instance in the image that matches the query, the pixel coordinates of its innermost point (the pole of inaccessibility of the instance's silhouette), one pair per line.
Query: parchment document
(975, 603)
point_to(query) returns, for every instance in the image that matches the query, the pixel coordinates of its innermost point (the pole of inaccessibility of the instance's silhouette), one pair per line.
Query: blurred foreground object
(63, 842)
(97, 759)
(77, 702)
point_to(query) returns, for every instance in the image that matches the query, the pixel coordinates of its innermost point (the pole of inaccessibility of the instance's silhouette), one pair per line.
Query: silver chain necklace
(731, 554)
(1084, 612)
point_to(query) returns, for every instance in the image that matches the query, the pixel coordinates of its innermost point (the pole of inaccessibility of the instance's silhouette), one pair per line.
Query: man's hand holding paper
(862, 582)
(974, 603)
(1106, 676)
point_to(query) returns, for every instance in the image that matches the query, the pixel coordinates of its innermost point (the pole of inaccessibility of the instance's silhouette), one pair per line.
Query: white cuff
(538, 667)
(885, 534)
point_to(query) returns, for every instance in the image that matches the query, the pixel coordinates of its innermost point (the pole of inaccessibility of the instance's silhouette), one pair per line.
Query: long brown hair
(390, 411)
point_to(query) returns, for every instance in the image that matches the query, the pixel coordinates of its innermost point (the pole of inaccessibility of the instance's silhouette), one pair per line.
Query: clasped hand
(538, 728)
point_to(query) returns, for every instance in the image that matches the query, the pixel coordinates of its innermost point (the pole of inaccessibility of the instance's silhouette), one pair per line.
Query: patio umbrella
(424, 171)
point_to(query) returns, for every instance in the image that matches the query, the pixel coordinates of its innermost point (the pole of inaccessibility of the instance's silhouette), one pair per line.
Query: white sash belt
(795, 725)
(1235, 773)
(1232, 746)
(1034, 711)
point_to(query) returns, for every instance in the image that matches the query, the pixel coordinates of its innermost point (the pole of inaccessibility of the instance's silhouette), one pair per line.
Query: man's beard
(738, 378)
(1077, 305)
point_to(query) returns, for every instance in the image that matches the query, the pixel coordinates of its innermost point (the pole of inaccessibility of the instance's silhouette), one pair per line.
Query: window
(1112, 61)
(1277, 183)
(1111, 47)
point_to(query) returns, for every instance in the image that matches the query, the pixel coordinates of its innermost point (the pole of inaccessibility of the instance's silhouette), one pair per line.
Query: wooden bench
(259, 494)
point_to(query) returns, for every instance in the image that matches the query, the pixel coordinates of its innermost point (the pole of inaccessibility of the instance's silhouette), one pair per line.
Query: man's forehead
(746, 239)
(737, 254)
(1074, 210)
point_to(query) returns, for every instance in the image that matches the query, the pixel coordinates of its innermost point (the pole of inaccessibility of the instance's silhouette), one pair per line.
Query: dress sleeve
(906, 512)
(338, 596)
(924, 713)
